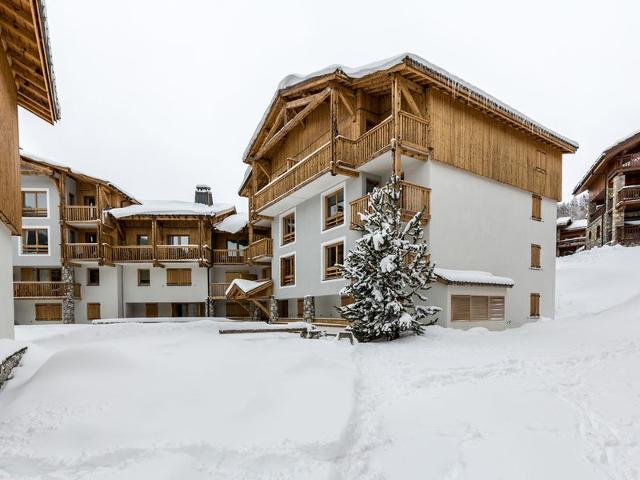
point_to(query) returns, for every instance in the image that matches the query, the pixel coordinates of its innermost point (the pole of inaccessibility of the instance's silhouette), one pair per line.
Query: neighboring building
(613, 183)
(91, 251)
(571, 235)
(26, 79)
(487, 176)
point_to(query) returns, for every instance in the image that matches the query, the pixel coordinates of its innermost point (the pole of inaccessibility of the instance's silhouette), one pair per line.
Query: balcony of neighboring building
(413, 199)
(83, 252)
(159, 253)
(261, 250)
(80, 214)
(310, 175)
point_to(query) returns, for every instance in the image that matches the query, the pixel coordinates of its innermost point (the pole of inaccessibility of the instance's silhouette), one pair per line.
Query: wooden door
(300, 307)
(93, 311)
(151, 310)
(27, 274)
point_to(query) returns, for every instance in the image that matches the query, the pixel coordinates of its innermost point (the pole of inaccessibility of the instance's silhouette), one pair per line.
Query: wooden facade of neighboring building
(613, 183)
(571, 236)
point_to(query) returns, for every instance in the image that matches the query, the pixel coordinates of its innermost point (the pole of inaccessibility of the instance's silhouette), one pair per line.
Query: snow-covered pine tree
(388, 270)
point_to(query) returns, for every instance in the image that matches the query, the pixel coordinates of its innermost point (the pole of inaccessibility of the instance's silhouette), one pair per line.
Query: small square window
(289, 228)
(288, 271)
(334, 209)
(93, 277)
(144, 277)
(333, 255)
(142, 240)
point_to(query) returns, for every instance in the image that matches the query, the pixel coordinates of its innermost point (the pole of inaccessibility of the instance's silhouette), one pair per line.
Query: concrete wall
(6, 283)
(51, 222)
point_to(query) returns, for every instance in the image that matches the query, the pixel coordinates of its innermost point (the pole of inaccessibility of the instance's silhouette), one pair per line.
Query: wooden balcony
(413, 199)
(41, 290)
(229, 257)
(629, 234)
(628, 162)
(132, 253)
(80, 214)
(179, 253)
(598, 212)
(629, 195)
(350, 153)
(82, 251)
(218, 291)
(261, 250)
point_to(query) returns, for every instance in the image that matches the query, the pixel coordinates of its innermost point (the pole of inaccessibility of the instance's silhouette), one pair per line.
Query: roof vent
(203, 195)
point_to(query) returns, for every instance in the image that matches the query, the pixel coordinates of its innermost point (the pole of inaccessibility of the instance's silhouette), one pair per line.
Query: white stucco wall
(6, 283)
(159, 291)
(106, 294)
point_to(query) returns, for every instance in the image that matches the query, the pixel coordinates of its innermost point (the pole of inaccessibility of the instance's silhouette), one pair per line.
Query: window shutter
(460, 307)
(535, 256)
(536, 207)
(179, 276)
(479, 308)
(93, 311)
(496, 308)
(48, 312)
(534, 308)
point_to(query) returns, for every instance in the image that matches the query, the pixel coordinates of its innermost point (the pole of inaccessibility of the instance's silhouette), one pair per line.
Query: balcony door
(177, 239)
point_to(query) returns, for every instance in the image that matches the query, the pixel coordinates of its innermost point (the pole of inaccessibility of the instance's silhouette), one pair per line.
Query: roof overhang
(25, 41)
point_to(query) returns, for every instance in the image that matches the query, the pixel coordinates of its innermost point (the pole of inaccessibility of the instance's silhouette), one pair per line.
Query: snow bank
(472, 277)
(170, 207)
(233, 223)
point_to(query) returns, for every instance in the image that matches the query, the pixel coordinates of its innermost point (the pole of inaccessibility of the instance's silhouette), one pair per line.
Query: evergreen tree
(387, 271)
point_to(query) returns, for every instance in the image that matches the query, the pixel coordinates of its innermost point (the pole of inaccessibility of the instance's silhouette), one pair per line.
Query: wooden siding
(10, 205)
(471, 140)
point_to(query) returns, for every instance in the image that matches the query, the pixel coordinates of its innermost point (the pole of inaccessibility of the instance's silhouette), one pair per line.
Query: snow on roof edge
(233, 223)
(474, 277)
(368, 69)
(170, 207)
(245, 285)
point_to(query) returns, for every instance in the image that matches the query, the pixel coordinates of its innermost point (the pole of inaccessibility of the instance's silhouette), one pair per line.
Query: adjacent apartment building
(571, 236)
(487, 176)
(26, 80)
(613, 183)
(91, 251)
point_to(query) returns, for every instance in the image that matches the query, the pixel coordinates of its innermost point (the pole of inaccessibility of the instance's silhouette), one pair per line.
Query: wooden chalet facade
(327, 139)
(26, 80)
(613, 183)
(571, 236)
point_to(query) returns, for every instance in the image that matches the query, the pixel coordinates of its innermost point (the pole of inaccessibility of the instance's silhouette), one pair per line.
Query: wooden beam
(291, 124)
(411, 101)
(349, 103)
(258, 304)
(17, 13)
(396, 99)
(333, 125)
(276, 125)
(13, 29)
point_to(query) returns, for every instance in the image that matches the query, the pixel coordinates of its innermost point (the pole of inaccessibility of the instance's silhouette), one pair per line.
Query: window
(534, 305)
(93, 311)
(536, 207)
(91, 237)
(238, 244)
(177, 239)
(289, 228)
(93, 276)
(89, 201)
(144, 277)
(34, 204)
(186, 310)
(334, 209)
(35, 241)
(333, 255)
(476, 308)
(535, 256)
(598, 232)
(142, 240)
(72, 199)
(288, 270)
(370, 185)
(55, 275)
(178, 276)
(48, 312)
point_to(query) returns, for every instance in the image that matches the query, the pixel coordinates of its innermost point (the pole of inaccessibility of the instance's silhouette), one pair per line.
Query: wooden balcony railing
(178, 253)
(360, 151)
(80, 213)
(260, 249)
(218, 290)
(82, 251)
(303, 171)
(413, 131)
(598, 212)
(42, 290)
(629, 233)
(228, 257)
(630, 161)
(132, 253)
(414, 198)
(34, 212)
(630, 193)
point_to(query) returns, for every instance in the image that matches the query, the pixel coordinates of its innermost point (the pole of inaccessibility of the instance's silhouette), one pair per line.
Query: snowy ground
(553, 400)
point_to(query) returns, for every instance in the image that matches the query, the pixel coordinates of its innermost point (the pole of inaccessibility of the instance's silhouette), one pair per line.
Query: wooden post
(63, 203)
(333, 119)
(254, 188)
(396, 104)
(154, 239)
(201, 239)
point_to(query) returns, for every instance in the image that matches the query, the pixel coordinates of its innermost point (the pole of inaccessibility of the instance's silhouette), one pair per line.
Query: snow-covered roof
(247, 286)
(233, 223)
(171, 207)
(472, 277)
(462, 87)
(577, 224)
(247, 173)
(71, 171)
(563, 221)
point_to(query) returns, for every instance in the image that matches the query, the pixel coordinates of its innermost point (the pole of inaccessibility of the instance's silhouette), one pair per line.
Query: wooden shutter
(496, 308)
(479, 308)
(535, 256)
(178, 276)
(460, 307)
(151, 310)
(536, 207)
(93, 311)
(48, 312)
(534, 308)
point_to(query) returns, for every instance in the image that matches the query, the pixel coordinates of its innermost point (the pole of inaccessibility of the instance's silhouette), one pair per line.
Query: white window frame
(322, 258)
(35, 227)
(341, 186)
(37, 189)
(295, 270)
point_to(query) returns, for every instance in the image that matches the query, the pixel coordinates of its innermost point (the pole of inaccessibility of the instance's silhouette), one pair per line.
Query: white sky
(158, 96)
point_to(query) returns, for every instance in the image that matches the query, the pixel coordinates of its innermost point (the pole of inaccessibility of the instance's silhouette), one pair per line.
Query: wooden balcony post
(333, 119)
(154, 239)
(396, 105)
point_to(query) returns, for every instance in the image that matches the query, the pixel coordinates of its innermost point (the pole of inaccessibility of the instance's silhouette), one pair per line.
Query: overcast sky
(158, 96)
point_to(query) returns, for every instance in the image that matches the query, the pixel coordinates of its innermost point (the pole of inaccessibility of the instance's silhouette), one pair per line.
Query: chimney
(203, 195)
